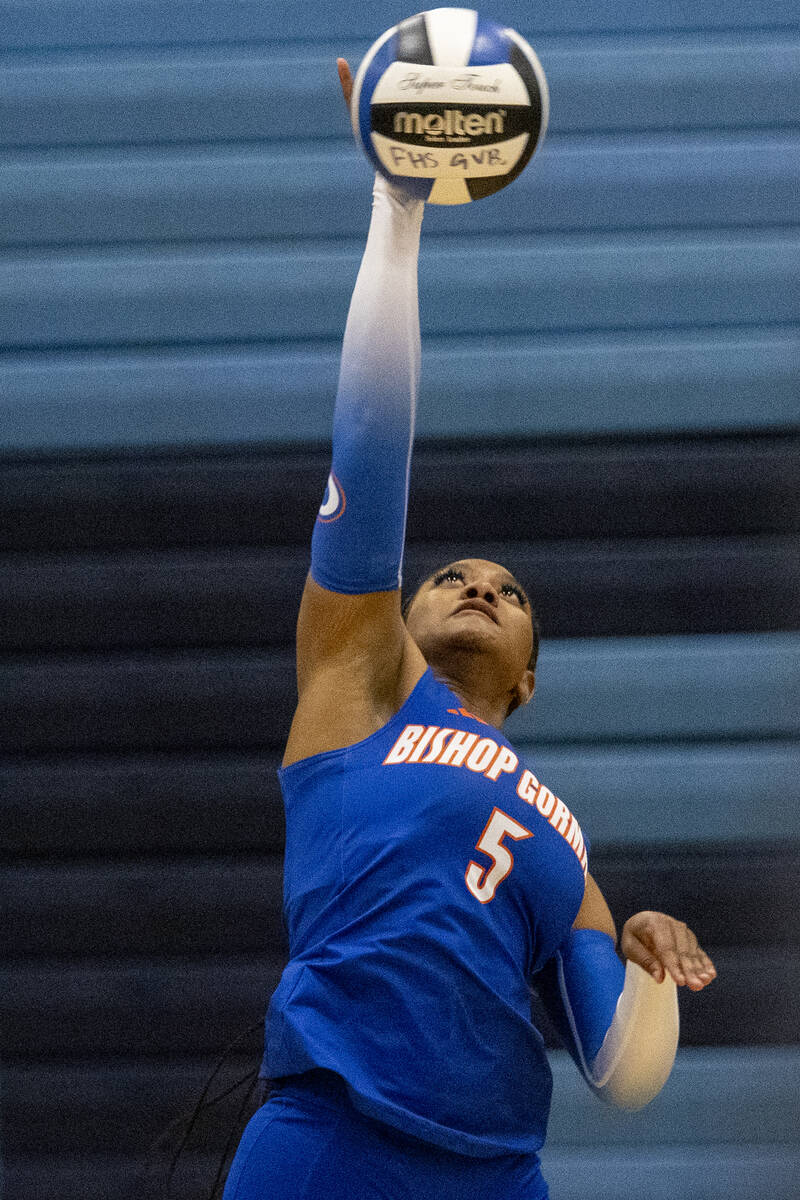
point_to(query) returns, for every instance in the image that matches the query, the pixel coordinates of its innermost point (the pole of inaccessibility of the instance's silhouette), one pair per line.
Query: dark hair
(409, 594)
(537, 637)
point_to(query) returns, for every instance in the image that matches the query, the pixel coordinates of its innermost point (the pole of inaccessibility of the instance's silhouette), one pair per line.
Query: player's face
(473, 604)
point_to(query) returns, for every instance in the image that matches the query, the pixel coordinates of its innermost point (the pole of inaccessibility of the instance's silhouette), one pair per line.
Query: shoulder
(356, 667)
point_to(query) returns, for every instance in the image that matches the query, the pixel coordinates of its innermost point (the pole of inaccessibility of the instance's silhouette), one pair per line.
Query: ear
(526, 687)
(523, 692)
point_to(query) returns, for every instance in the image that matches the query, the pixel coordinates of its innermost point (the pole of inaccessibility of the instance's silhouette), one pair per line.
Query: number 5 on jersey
(480, 881)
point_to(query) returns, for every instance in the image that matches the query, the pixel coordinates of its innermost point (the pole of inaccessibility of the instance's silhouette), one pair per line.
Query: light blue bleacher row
(138, 95)
(182, 212)
(673, 740)
(656, 383)
(661, 741)
(78, 23)
(724, 1126)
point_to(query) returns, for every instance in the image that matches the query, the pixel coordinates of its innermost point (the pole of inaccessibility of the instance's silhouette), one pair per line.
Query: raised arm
(355, 661)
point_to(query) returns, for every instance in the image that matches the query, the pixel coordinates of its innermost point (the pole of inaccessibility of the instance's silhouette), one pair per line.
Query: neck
(468, 682)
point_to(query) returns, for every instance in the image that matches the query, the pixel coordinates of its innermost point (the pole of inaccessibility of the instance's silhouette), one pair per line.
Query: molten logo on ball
(451, 125)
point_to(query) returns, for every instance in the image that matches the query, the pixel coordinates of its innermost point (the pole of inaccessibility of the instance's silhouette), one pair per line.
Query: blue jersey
(428, 876)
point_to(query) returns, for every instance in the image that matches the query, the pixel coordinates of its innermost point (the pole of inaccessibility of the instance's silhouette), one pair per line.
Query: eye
(450, 575)
(511, 589)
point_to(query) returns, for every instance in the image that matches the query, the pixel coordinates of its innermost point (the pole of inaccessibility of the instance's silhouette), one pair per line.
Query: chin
(472, 640)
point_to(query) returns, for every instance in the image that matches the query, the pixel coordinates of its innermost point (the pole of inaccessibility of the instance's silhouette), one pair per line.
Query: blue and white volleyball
(449, 105)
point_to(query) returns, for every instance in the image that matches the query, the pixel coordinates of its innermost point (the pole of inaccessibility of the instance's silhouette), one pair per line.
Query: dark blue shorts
(308, 1142)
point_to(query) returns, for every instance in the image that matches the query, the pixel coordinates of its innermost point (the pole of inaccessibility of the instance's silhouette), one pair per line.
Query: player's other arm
(355, 661)
(620, 1023)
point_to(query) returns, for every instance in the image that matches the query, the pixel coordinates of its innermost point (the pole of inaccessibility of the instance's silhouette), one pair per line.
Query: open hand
(659, 943)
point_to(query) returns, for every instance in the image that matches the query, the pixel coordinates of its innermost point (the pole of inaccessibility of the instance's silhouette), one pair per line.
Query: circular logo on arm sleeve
(333, 502)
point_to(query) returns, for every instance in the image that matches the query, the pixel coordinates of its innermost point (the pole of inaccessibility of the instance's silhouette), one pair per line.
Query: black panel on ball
(521, 64)
(412, 41)
(478, 188)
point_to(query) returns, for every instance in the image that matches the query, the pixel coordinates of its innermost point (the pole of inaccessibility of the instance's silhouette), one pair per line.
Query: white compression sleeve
(382, 339)
(637, 1054)
(357, 544)
(619, 1025)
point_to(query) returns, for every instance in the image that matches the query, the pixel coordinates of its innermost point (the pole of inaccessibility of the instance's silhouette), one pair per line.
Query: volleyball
(449, 105)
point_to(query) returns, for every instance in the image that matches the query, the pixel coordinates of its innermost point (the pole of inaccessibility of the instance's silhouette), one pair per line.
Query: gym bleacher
(610, 402)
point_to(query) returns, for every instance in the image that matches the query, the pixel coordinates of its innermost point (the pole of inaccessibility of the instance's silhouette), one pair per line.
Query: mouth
(478, 606)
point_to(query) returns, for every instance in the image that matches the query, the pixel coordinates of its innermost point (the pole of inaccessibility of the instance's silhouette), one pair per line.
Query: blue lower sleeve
(357, 545)
(580, 988)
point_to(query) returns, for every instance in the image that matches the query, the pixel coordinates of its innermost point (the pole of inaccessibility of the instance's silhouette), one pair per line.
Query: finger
(686, 947)
(673, 944)
(656, 970)
(699, 970)
(686, 962)
(684, 938)
(693, 962)
(672, 961)
(707, 965)
(637, 951)
(345, 79)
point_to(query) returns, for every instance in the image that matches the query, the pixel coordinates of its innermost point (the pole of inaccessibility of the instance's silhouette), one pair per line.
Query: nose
(481, 590)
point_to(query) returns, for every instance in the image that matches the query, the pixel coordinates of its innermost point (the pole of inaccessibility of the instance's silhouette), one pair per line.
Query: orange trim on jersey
(463, 712)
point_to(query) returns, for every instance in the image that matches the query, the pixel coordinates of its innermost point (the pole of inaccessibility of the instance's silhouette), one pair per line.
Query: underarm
(594, 912)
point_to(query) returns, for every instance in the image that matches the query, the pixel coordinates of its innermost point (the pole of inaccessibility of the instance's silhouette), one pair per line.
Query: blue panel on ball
(490, 45)
(384, 57)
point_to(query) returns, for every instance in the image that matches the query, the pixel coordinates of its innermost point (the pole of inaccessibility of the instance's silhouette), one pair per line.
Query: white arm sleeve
(637, 1054)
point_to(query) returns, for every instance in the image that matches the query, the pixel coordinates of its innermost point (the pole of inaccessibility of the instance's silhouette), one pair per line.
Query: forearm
(621, 1023)
(620, 1026)
(357, 545)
